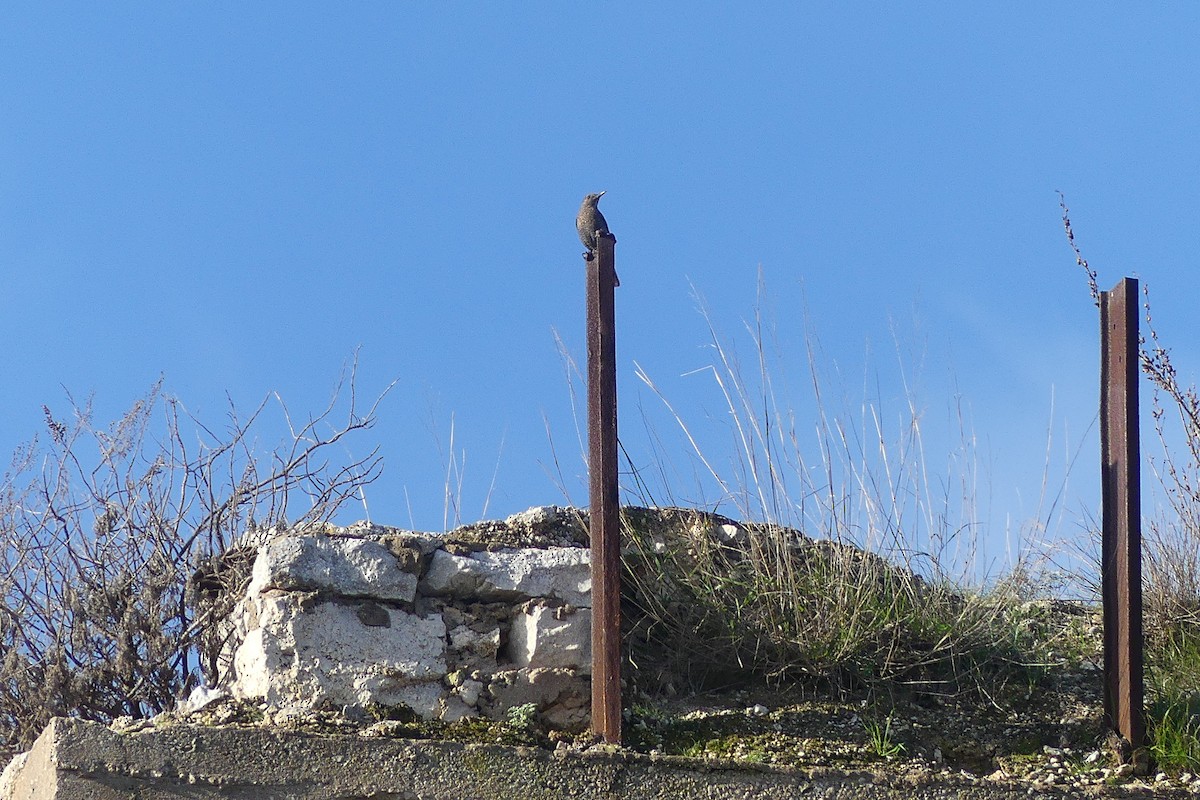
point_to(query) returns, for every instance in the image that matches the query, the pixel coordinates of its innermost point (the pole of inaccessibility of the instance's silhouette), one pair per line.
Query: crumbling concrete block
(561, 573)
(14, 770)
(301, 653)
(332, 565)
(542, 637)
(474, 649)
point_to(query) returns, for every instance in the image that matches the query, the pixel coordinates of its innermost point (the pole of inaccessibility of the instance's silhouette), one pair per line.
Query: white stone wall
(373, 617)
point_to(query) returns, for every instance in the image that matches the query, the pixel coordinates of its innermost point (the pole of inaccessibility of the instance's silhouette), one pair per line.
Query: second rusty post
(1121, 548)
(605, 514)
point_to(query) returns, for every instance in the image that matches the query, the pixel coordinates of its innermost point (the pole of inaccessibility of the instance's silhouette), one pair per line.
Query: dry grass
(857, 573)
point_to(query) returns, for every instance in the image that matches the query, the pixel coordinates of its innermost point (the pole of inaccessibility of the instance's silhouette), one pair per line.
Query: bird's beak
(602, 193)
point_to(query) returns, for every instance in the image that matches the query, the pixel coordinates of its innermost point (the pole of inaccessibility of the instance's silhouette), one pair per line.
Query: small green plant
(880, 738)
(522, 726)
(522, 717)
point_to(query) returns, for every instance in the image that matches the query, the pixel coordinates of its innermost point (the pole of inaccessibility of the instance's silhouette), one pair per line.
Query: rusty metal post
(605, 530)
(1121, 551)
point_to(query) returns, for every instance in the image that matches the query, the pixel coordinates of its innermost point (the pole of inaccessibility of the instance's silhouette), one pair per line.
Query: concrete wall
(76, 760)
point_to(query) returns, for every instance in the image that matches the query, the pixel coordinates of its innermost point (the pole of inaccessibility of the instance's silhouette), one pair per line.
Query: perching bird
(590, 222)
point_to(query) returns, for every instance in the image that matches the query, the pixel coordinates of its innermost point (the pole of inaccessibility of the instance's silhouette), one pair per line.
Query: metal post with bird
(604, 526)
(591, 225)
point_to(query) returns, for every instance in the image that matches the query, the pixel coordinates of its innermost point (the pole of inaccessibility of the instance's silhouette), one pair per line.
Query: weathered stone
(8, 778)
(545, 520)
(474, 649)
(469, 691)
(732, 534)
(453, 709)
(562, 696)
(547, 526)
(561, 573)
(332, 565)
(374, 615)
(325, 654)
(542, 636)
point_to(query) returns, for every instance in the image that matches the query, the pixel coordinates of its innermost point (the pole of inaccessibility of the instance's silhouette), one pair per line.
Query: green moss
(478, 762)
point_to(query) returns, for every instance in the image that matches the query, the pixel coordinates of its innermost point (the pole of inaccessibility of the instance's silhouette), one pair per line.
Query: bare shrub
(120, 546)
(1172, 561)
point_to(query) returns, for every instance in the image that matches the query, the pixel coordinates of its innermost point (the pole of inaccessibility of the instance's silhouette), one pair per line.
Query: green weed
(880, 738)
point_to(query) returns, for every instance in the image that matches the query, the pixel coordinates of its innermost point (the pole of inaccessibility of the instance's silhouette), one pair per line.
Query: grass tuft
(880, 739)
(1174, 692)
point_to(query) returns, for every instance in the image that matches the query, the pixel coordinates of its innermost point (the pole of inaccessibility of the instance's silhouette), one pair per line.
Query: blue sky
(238, 197)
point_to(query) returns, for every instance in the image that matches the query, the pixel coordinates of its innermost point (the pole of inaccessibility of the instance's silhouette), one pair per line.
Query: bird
(589, 223)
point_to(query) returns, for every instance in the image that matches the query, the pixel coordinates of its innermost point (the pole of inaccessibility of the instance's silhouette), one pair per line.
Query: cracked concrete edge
(77, 759)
